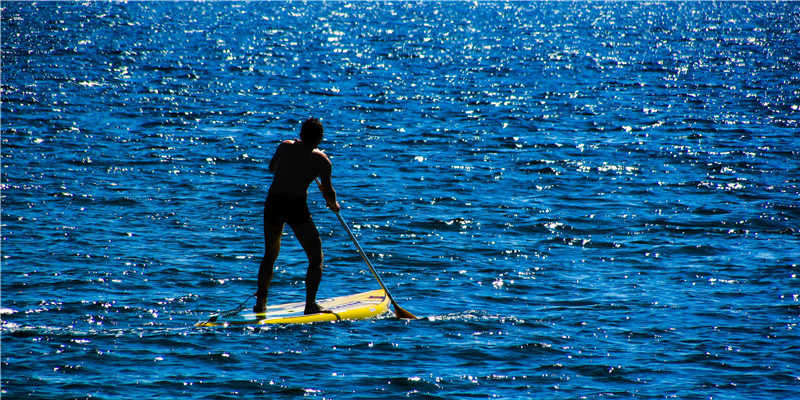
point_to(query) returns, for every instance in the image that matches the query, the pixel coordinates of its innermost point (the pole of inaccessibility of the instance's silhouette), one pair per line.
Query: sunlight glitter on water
(578, 198)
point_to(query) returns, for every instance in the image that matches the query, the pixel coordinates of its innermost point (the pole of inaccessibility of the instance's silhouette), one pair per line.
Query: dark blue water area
(579, 199)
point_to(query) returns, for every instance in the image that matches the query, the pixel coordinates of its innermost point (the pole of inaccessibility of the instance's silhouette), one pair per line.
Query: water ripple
(580, 199)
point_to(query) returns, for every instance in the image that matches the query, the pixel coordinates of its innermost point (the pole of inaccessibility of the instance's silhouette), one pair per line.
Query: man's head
(311, 131)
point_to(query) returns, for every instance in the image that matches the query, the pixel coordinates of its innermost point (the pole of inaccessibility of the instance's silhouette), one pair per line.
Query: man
(295, 165)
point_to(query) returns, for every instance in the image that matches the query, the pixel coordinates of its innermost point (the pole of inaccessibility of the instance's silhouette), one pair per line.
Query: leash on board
(231, 312)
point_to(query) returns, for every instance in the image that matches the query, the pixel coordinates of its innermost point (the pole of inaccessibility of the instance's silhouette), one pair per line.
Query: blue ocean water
(580, 199)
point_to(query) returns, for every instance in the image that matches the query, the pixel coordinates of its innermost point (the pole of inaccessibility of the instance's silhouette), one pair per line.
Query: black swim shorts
(285, 209)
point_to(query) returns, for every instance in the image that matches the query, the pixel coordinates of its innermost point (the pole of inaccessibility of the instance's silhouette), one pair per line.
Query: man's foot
(316, 309)
(261, 302)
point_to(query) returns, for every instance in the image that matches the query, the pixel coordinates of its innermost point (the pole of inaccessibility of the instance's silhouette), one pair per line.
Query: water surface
(581, 200)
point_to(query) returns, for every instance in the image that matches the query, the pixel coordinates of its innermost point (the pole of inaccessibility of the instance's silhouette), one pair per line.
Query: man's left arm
(326, 186)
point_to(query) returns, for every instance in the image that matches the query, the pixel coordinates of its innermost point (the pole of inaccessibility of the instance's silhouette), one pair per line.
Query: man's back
(295, 166)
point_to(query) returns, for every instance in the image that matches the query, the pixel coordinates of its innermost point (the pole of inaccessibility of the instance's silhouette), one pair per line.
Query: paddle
(398, 311)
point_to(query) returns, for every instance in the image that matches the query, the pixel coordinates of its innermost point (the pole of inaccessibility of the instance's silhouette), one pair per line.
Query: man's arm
(326, 187)
(273, 164)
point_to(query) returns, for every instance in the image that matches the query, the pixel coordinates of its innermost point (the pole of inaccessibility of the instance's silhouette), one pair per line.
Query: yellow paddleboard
(356, 306)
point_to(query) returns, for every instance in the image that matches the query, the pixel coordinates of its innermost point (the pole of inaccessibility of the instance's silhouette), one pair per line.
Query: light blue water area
(581, 199)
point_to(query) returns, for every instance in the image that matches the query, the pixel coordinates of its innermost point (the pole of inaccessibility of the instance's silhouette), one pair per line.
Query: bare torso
(295, 166)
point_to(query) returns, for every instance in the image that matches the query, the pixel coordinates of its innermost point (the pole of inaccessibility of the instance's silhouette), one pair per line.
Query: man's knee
(316, 260)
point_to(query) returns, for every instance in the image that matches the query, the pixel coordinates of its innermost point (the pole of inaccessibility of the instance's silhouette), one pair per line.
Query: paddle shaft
(363, 255)
(399, 311)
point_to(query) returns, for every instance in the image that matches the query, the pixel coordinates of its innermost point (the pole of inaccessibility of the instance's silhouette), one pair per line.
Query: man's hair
(311, 130)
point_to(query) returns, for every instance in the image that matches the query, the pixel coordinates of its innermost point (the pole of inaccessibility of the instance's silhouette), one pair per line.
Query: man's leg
(272, 246)
(308, 236)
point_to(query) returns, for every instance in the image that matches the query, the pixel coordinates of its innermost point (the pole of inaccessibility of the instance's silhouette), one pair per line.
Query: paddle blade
(399, 312)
